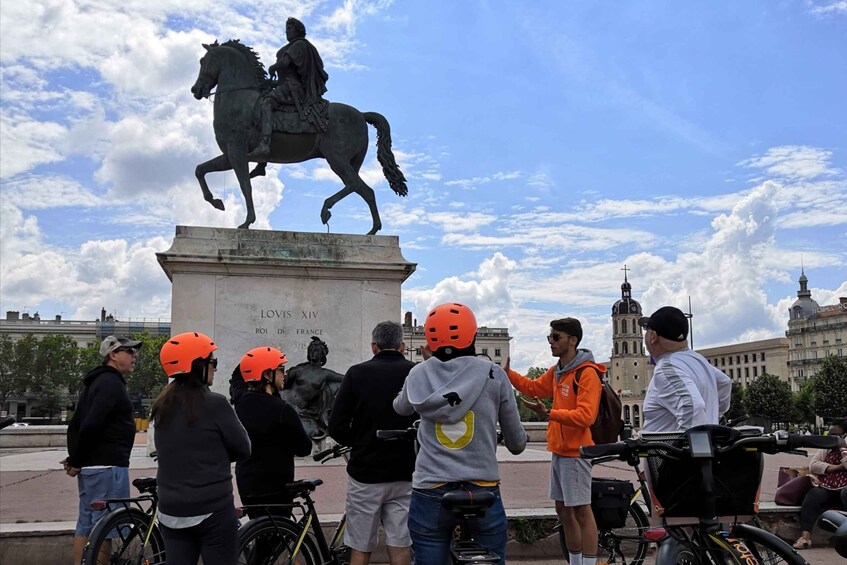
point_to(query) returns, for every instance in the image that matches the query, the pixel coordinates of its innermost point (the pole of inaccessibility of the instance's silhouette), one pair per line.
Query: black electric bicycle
(706, 480)
(292, 533)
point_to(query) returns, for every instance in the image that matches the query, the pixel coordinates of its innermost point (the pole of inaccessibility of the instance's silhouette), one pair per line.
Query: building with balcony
(814, 333)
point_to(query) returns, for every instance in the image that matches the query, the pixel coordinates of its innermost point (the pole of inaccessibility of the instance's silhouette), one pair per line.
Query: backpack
(608, 426)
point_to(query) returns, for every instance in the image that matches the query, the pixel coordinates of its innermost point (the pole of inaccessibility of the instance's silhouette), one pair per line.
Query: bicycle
(275, 538)
(695, 475)
(464, 505)
(128, 535)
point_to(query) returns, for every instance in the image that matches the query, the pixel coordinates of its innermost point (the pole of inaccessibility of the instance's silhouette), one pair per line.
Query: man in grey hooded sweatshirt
(460, 399)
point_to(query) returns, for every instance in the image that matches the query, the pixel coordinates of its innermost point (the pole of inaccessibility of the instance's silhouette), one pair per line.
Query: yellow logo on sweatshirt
(458, 435)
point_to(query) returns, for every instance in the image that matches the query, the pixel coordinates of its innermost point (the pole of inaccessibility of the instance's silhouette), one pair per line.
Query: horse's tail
(392, 172)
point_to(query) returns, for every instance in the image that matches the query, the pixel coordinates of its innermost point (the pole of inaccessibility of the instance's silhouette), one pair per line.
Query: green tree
(738, 403)
(804, 403)
(769, 397)
(148, 378)
(12, 383)
(528, 415)
(829, 387)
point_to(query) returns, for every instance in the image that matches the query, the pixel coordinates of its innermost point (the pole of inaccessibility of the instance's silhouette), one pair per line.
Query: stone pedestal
(247, 288)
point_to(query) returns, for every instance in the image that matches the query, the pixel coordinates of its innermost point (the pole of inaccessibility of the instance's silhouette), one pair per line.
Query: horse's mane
(252, 57)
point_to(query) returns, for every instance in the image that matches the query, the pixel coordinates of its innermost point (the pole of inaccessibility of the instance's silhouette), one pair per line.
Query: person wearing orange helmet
(197, 437)
(460, 398)
(275, 430)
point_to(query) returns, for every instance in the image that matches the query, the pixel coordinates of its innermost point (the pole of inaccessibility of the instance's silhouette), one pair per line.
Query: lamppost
(690, 317)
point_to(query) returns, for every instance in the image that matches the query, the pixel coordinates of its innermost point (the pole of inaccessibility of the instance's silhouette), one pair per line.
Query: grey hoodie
(460, 403)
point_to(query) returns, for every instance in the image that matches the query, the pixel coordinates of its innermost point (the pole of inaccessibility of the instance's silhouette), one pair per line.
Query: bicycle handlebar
(335, 451)
(779, 441)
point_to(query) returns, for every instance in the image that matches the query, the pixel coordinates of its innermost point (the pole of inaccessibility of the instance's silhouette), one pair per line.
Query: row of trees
(50, 370)
(768, 397)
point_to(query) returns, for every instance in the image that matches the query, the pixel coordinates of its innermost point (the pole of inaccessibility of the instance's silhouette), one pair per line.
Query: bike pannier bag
(610, 499)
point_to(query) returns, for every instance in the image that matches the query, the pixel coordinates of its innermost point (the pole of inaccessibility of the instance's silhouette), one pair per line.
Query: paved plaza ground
(34, 488)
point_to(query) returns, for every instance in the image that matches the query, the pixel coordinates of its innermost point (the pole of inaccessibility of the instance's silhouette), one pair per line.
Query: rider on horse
(301, 85)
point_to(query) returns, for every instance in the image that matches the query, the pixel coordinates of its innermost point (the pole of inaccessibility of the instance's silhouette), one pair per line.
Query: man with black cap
(686, 390)
(101, 434)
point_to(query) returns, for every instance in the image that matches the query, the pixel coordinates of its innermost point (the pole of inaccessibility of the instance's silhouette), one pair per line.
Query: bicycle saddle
(469, 503)
(299, 488)
(147, 484)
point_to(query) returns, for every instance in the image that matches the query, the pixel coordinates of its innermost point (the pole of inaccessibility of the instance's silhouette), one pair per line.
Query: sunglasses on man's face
(129, 350)
(213, 362)
(557, 337)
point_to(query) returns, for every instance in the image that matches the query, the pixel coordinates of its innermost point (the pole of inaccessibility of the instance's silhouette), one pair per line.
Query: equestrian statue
(259, 119)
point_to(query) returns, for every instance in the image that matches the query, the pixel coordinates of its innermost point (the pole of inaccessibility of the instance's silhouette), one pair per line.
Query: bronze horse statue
(241, 83)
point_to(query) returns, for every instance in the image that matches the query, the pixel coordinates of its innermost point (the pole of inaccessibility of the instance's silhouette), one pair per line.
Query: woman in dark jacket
(197, 437)
(275, 430)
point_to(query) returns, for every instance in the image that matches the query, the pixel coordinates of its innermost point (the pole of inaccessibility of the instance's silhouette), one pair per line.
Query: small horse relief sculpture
(241, 84)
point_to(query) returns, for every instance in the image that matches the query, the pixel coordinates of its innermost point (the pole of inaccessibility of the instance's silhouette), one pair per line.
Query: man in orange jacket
(571, 417)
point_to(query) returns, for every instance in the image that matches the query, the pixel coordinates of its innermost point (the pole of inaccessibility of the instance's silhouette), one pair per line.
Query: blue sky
(546, 144)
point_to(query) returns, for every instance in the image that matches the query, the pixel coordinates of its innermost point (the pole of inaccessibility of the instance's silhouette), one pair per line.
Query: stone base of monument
(249, 288)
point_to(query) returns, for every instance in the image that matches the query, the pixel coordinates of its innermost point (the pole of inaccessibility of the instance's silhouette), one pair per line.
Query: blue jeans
(431, 526)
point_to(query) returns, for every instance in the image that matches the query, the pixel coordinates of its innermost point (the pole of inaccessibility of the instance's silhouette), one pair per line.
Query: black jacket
(363, 406)
(194, 459)
(102, 430)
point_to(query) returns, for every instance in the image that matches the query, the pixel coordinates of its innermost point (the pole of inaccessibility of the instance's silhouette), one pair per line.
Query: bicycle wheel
(121, 538)
(263, 541)
(766, 547)
(627, 543)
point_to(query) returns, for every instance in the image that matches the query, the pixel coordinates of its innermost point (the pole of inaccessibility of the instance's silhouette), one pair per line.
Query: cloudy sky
(546, 144)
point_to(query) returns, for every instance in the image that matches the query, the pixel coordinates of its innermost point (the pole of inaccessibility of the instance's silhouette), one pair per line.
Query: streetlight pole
(690, 317)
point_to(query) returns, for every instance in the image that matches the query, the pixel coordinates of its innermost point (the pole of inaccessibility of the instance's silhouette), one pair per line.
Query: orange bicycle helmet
(182, 349)
(450, 325)
(258, 360)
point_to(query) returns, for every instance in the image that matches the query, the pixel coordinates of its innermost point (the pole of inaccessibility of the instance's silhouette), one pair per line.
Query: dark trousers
(215, 539)
(816, 501)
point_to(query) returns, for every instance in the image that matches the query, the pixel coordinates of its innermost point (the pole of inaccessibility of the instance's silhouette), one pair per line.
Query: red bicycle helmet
(450, 325)
(258, 360)
(182, 349)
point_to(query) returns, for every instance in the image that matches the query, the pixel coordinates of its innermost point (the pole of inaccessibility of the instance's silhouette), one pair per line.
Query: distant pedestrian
(197, 437)
(101, 435)
(379, 485)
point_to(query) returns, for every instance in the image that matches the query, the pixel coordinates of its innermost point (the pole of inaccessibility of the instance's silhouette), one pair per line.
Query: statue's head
(317, 351)
(294, 29)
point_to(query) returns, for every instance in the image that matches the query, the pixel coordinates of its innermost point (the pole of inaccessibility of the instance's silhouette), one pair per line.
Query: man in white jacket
(686, 390)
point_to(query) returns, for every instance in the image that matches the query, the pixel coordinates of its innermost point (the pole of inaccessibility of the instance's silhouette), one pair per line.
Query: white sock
(589, 560)
(576, 558)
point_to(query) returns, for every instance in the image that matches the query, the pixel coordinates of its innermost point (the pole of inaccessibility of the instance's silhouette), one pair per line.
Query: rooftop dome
(804, 306)
(627, 304)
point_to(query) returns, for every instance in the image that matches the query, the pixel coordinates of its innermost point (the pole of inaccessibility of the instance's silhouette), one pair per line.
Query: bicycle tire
(263, 541)
(130, 525)
(768, 548)
(626, 543)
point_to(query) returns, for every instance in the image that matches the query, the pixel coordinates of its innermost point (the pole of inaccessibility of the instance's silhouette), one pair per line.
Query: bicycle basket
(676, 485)
(610, 499)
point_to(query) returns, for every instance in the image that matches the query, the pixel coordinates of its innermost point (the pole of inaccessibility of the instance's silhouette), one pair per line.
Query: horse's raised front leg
(219, 163)
(240, 165)
(258, 170)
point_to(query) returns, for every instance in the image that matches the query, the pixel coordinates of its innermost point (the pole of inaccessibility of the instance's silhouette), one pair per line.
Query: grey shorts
(370, 504)
(570, 480)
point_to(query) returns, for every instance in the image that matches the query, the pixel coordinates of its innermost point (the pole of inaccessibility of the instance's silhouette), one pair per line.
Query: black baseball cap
(669, 322)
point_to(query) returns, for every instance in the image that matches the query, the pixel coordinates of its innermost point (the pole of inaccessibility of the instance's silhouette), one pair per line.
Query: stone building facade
(814, 332)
